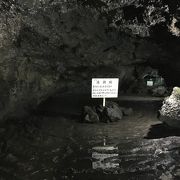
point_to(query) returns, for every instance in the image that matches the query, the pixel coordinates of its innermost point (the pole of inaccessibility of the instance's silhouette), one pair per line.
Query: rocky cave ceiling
(49, 46)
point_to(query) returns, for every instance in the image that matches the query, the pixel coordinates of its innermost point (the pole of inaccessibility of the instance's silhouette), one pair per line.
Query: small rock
(177, 173)
(166, 176)
(127, 111)
(159, 91)
(55, 159)
(11, 158)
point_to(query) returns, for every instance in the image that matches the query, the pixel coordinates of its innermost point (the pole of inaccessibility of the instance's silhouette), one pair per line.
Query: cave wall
(58, 46)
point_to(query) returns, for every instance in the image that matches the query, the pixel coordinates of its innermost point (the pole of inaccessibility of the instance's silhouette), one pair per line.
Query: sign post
(104, 102)
(104, 88)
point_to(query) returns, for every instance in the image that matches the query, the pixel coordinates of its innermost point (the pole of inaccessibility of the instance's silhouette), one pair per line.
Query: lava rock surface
(170, 111)
(112, 112)
(58, 46)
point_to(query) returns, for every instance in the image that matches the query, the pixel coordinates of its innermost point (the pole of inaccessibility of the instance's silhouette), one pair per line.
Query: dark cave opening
(132, 12)
(169, 73)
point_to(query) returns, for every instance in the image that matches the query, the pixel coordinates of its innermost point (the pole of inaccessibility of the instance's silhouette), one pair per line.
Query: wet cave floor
(59, 147)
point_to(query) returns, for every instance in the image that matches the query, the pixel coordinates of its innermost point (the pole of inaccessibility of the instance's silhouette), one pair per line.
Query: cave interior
(50, 126)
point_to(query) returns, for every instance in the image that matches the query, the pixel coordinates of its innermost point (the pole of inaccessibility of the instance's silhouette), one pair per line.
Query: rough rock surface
(170, 111)
(89, 115)
(61, 148)
(49, 46)
(160, 91)
(111, 113)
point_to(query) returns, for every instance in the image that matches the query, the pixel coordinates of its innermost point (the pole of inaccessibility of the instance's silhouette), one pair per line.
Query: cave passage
(51, 128)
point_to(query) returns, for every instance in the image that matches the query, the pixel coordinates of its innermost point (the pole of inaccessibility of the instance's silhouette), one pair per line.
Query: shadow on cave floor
(60, 148)
(161, 131)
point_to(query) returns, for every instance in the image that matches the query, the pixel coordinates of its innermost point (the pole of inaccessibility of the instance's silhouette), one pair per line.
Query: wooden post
(104, 102)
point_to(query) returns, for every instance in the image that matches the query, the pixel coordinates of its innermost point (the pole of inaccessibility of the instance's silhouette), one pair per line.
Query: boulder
(170, 110)
(89, 115)
(112, 112)
(100, 112)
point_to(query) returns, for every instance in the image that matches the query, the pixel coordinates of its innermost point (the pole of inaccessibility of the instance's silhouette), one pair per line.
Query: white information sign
(105, 87)
(150, 83)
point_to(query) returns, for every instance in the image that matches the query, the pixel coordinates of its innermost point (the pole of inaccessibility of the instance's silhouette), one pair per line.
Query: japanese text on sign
(105, 87)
